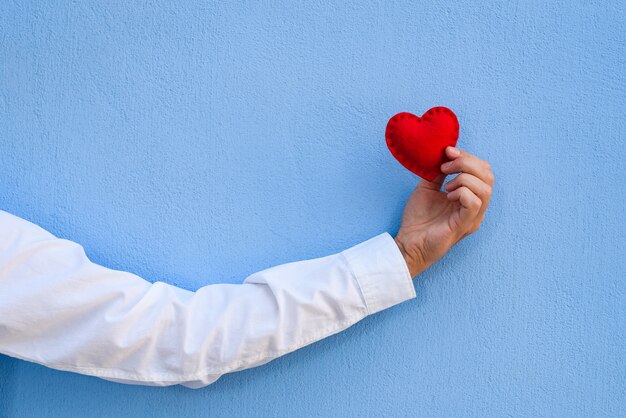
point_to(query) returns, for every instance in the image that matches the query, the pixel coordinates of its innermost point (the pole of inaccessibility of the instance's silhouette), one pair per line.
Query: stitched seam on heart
(391, 138)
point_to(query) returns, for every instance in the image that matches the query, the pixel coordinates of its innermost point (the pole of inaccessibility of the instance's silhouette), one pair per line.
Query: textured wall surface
(196, 143)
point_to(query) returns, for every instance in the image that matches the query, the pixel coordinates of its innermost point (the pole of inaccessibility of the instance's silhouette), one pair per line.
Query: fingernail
(445, 166)
(455, 152)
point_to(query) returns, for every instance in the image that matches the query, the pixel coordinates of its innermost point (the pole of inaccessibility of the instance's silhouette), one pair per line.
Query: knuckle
(489, 177)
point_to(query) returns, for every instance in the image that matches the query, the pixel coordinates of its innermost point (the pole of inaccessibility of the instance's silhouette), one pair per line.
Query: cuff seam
(358, 282)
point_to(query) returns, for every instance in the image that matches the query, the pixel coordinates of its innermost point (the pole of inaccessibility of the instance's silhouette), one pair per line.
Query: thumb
(433, 185)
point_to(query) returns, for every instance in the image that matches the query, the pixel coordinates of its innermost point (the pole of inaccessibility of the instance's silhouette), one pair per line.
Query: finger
(470, 204)
(476, 185)
(465, 179)
(464, 162)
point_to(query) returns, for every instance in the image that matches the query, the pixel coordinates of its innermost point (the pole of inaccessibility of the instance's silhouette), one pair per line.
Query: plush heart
(419, 143)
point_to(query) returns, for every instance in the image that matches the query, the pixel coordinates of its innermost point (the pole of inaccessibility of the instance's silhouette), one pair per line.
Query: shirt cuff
(381, 272)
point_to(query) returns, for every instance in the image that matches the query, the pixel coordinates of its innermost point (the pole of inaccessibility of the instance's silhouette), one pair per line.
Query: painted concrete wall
(196, 143)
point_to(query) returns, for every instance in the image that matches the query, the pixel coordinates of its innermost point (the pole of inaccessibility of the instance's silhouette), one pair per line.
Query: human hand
(434, 220)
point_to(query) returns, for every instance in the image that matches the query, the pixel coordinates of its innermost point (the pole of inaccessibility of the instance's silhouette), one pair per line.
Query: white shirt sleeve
(59, 309)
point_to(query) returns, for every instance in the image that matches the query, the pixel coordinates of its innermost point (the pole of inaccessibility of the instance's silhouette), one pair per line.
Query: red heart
(419, 143)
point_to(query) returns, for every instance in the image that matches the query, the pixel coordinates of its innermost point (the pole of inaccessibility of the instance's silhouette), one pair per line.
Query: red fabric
(419, 143)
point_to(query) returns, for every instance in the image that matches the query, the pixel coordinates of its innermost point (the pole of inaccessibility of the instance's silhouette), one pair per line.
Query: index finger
(464, 162)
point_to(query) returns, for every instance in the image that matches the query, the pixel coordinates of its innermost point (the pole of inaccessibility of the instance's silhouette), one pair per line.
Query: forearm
(59, 309)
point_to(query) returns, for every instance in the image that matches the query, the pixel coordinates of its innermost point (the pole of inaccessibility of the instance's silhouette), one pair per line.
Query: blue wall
(198, 143)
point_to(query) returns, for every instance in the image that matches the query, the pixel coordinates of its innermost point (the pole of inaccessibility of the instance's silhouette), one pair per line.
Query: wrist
(413, 264)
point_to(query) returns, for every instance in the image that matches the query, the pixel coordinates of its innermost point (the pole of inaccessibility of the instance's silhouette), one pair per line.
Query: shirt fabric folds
(59, 309)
